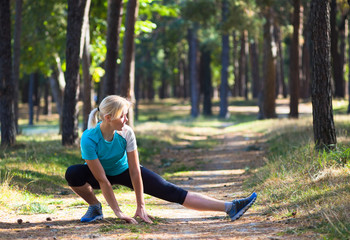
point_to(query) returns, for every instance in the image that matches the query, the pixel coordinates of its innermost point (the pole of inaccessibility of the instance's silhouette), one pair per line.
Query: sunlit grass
(298, 181)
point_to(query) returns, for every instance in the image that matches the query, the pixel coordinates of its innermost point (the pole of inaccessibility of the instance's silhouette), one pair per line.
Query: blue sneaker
(93, 213)
(240, 206)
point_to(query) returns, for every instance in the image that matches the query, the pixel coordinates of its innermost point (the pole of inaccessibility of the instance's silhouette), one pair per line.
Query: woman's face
(119, 122)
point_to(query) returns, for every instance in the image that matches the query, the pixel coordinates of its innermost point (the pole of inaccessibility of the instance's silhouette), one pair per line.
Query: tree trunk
(16, 55)
(77, 10)
(338, 71)
(194, 87)
(306, 59)
(115, 9)
(242, 66)
(205, 76)
(294, 80)
(86, 62)
(149, 73)
(235, 91)
(255, 70)
(323, 125)
(349, 66)
(224, 66)
(47, 98)
(280, 84)
(128, 65)
(182, 85)
(30, 99)
(268, 103)
(7, 113)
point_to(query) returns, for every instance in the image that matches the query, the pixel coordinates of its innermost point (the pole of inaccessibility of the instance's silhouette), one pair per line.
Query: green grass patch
(298, 181)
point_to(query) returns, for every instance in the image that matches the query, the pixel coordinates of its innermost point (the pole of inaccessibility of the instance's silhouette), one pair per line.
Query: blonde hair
(111, 105)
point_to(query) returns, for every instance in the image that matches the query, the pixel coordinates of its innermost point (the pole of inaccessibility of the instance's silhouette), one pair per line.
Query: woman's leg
(86, 192)
(203, 203)
(157, 186)
(82, 182)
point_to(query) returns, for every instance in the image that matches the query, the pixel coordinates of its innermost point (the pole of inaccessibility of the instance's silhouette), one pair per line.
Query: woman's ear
(107, 118)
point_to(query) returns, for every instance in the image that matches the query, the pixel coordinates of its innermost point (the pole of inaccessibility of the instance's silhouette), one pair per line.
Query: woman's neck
(107, 131)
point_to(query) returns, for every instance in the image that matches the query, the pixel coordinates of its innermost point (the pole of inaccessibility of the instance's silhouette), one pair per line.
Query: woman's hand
(141, 212)
(126, 218)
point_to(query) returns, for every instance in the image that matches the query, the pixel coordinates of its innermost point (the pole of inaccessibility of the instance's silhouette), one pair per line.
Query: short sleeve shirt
(112, 154)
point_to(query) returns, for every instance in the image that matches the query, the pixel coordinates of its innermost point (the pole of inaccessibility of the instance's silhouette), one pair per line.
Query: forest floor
(219, 172)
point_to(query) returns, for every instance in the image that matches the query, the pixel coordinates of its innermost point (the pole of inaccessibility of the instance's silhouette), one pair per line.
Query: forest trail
(220, 174)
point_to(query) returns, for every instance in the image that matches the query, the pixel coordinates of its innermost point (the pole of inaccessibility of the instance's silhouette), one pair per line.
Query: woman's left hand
(141, 212)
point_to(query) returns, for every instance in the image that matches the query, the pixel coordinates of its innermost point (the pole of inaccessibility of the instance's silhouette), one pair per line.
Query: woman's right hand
(126, 218)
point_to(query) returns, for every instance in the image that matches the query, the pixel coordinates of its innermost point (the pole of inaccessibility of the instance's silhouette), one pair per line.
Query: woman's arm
(136, 179)
(107, 190)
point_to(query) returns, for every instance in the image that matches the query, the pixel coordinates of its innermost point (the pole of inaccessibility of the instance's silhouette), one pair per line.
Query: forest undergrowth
(295, 182)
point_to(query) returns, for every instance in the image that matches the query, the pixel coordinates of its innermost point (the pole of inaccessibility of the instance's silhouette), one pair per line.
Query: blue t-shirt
(112, 155)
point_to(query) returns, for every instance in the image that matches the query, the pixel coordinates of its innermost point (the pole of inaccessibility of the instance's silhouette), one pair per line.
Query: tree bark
(268, 97)
(76, 13)
(7, 112)
(338, 71)
(235, 91)
(225, 63)
(205, 76)
(255, 69)
(115, 9)
(128, 64)
(16, 56)
(323, 125)
(294, 81)
(86, 62)
(194, 87)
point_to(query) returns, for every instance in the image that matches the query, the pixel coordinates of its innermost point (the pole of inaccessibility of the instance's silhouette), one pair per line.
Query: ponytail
(92, 118)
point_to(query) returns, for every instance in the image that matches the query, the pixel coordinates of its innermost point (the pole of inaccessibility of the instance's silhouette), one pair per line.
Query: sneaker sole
(243, 210)
(99, 217)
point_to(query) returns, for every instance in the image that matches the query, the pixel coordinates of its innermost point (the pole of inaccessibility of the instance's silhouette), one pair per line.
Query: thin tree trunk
(224, 68)
(268, 104)
(349, 66)
(235, 88)
(338, 71)
(306, 59)
(77, 10)
(128, 65)
(255, 69)
(205, 76)
(87, 101)
(294, 80)
(47, 98)
(323, 125)
(16, 56)
(115, 9)
(192, 39)
(242, 66)
(7, 113)
(182, 85)
(30, 98)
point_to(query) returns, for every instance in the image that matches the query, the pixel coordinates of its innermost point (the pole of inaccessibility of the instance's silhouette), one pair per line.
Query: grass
(296, 182)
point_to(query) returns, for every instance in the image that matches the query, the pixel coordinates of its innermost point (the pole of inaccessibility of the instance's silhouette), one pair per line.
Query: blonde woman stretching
(110, 152)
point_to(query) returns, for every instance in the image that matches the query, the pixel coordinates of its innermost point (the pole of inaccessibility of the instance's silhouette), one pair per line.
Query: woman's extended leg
(203, 203)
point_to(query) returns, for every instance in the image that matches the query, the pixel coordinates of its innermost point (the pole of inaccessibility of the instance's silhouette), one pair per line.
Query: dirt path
(220, 174)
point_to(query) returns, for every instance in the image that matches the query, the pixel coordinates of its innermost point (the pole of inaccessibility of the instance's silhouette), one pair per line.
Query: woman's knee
(74, 175)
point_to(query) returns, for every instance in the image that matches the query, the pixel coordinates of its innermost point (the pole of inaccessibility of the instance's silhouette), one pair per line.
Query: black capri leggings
(153, 184)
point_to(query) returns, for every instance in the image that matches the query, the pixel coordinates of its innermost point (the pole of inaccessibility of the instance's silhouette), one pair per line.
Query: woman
(110, 152)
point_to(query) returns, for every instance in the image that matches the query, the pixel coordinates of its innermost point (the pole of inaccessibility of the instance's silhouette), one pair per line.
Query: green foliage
(43, 35)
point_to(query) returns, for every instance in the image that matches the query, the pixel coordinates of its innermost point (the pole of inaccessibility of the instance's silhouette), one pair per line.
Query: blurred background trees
(155, 49)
